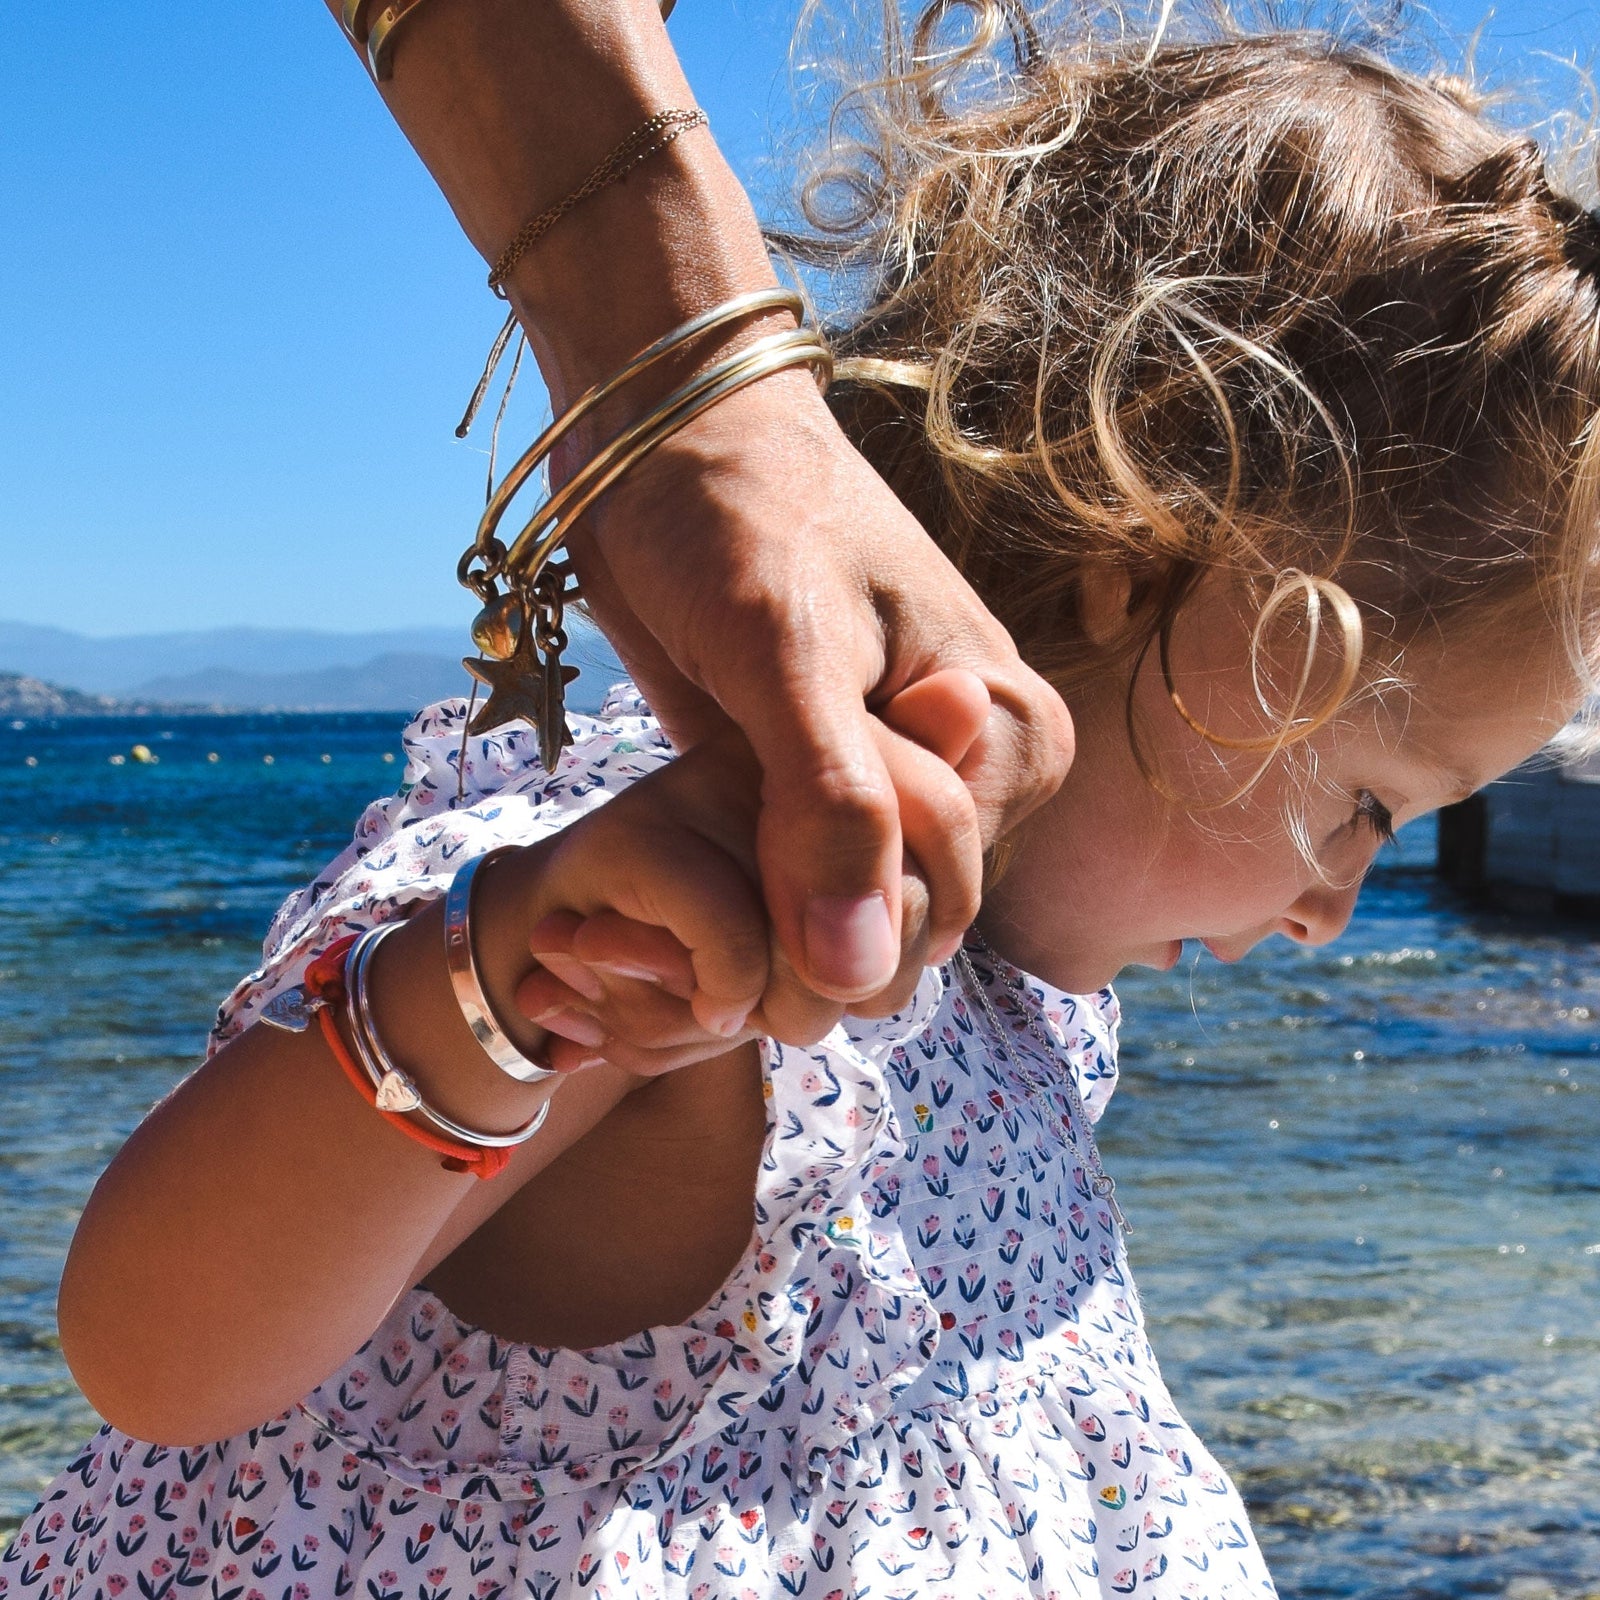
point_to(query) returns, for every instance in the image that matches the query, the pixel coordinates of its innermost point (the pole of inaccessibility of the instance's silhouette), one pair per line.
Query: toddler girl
(1253, 384)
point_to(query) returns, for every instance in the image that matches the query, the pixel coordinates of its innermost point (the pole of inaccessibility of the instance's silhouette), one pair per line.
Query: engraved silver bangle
(463, 967)
(397, 1090)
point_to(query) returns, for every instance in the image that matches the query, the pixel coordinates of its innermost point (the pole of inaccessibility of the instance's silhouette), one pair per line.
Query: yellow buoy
(144, 755)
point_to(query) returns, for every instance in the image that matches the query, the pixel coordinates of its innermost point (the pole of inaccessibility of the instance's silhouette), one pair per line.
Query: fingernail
(589, 1061)
(726, 1026)
(571, 972)
(627, 969)
(573, 1025)
(850, 944)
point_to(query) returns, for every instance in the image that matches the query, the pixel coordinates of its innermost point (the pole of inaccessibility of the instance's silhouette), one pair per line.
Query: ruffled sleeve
(823, 1322)
(456, 800)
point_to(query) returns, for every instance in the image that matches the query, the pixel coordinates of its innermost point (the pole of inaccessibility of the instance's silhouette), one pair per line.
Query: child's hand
(660, 954)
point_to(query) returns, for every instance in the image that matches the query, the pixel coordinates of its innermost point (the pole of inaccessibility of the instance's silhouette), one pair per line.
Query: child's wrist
(416, 1013)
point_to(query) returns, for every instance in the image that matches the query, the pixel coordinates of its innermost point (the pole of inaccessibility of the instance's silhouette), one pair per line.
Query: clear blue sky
(239, 323)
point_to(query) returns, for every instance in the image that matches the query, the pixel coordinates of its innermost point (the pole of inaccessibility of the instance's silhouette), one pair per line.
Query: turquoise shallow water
(1365, 1180)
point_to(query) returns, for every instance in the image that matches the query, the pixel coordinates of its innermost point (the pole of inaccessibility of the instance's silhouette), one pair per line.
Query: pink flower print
(254, 1594)
(437, 1575)
(387, 1580)
(301, 1591)
(663, 1390)
(471, 1511)
(189, 1535)
(230, 1572)
(137, 1484)
(852, 1117)
(486, 1587)
(250, 1471)
(268, 1548)
(55, 1522)
(116, 1583)
(135, 1523)
(930, 1166)
(449, 1417)
(178, 1491)
(617, 1416)
(399, 1350)
(359, 1379)
(160, 1567)
(313, 1479)
(579, 1386)
(349, 1464)
(311, 1542)
(457, 1361)
(199, 1556)
(374, 1494)
(697, 1344)
(766, 1262)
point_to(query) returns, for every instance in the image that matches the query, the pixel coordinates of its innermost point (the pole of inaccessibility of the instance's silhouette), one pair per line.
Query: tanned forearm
(510, 105)
(265, 1186)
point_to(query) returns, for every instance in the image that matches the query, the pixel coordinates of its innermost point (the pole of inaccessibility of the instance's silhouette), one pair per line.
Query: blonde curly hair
(1263, 304)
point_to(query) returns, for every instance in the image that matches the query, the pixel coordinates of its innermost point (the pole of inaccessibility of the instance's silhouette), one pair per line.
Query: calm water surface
(1365, 1181)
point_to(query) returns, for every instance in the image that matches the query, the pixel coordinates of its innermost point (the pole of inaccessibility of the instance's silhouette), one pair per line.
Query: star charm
(516, 688)
(554, 734)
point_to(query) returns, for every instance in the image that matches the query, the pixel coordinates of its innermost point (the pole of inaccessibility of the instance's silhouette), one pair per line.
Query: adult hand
(756, 568)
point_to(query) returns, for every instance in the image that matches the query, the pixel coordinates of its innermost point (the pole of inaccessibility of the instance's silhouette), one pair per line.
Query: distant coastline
(31, 699)
(50, 672)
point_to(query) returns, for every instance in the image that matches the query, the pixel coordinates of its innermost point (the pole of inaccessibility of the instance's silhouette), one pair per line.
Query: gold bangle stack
(523, 589)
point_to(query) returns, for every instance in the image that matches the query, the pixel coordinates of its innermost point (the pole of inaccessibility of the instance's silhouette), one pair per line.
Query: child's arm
(262, 1220)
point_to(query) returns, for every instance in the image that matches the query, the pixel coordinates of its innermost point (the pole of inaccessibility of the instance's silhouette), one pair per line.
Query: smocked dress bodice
(928, 1375)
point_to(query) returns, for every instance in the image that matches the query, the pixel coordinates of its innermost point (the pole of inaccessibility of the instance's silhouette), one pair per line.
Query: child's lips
(1221, 955)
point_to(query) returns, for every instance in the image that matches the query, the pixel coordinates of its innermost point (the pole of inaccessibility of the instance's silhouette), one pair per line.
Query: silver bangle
(396, 1090)
(462, 963)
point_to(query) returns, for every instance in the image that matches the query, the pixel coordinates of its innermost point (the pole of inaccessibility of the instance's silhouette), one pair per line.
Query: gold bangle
(523, 468)
(520, 631)
(375, 40)
(798, 346)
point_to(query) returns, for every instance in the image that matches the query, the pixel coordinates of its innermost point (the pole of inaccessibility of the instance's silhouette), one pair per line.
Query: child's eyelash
(1372, 812)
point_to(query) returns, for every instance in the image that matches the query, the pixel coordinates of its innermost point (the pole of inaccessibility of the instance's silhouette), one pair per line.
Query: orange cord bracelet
(324, 981)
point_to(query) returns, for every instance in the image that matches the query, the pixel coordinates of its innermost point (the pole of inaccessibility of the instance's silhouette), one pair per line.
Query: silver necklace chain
(1101, 1182)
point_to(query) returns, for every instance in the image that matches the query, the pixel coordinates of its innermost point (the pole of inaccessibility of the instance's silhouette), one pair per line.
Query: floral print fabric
(927, 1377)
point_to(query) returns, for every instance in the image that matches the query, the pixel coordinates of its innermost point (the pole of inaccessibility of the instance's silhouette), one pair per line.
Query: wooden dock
(1532, 840)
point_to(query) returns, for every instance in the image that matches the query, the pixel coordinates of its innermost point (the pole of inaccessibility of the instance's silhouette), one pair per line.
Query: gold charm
(497, 628)
(515, 687)
(554, 734)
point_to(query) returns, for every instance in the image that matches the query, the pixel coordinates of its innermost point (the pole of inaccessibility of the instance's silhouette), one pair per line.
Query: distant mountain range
(265, 669)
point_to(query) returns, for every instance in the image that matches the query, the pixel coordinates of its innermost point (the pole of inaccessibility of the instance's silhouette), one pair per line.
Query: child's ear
(1105, 593)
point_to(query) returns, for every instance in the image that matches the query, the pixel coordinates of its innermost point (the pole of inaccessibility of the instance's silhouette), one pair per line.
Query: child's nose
(1321, 913)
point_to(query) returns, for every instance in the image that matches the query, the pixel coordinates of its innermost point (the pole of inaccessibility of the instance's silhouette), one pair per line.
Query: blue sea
(1365, 1181)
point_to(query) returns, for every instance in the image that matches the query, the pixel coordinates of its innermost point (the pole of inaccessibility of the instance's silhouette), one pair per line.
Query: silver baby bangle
(463, 967)
(396, 1091)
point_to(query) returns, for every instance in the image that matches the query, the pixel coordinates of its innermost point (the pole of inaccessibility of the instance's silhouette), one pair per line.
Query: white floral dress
(928, 1377)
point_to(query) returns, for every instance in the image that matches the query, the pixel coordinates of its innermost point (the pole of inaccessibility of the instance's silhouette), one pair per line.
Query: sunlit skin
(1110, 873)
